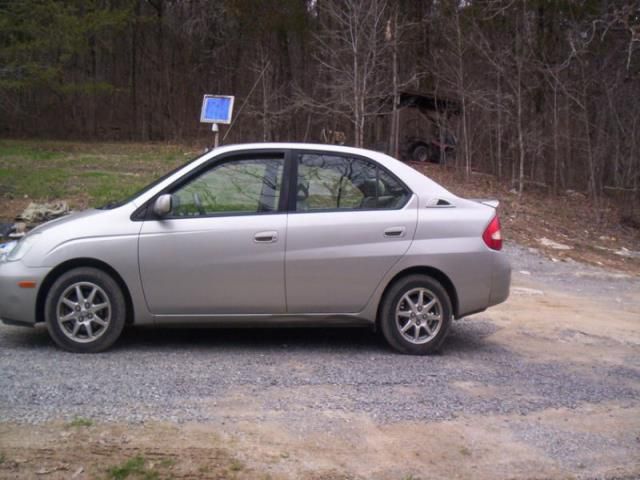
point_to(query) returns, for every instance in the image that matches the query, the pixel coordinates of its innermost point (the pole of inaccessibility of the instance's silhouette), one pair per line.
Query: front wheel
(416, 315)
(85, 311)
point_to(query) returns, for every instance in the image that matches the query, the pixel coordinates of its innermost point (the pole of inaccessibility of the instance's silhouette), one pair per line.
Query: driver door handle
(394, 232)
(266, 237)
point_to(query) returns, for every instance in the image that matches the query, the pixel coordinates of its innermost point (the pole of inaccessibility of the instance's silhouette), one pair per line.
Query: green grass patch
(236, 465)
(105, 187)
(15, 150)
(80, 422)
(82, 173)
(138, 468)
(133, 466)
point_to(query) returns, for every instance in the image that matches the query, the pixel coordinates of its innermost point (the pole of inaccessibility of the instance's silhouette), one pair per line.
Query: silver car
(281, 233)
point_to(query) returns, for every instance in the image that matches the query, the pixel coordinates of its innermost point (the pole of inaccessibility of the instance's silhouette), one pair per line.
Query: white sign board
(217, 109)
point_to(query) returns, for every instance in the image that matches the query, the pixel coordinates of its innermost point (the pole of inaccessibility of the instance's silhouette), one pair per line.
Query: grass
(84, 174)
(80, 422)
(136, 467)
(133, 466)
(236, 465)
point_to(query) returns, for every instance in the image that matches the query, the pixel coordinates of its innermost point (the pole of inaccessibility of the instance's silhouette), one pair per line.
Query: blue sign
(216, 109)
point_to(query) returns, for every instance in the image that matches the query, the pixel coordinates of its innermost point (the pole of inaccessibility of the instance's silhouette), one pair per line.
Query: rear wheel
(85, 311)
(416, 315)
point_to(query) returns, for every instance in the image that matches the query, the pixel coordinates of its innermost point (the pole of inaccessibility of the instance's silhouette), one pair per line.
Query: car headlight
(22, 247)
(6, 249)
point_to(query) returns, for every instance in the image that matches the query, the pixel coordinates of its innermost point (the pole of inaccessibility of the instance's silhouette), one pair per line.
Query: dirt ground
(598, 440)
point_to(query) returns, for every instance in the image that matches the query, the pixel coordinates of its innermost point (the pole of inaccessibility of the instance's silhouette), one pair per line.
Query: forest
(542, 94)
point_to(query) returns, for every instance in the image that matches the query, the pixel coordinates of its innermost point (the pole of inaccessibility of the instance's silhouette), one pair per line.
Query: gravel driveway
(176, 375)
(182, 376)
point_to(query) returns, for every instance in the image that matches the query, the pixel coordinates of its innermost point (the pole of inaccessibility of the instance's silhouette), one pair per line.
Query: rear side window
(391, 193)
(333, 182)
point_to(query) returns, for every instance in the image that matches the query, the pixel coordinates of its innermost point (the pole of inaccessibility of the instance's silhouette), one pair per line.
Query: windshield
(118, 203)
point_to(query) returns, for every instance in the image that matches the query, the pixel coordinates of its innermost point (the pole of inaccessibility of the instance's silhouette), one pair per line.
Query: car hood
(72, 217)
(58, 239)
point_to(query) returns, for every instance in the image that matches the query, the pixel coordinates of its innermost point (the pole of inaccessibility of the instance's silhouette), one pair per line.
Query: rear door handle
(266, 237)
(394, 232)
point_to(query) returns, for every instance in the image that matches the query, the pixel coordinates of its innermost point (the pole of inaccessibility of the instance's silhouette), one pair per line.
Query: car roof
(414, 179)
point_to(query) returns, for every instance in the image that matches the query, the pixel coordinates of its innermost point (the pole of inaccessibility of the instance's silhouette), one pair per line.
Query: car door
(351, 222)
(221, 248)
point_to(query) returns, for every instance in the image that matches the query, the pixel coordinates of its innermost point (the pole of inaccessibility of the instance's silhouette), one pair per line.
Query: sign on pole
(216, 109)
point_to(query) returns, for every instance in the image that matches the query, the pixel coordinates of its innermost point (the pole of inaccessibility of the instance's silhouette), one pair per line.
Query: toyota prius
(264, 234)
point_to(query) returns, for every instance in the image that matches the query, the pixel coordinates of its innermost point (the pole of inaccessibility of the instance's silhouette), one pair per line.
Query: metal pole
(216, 135)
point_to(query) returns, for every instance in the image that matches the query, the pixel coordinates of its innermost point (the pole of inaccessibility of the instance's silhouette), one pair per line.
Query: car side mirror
(162, 206)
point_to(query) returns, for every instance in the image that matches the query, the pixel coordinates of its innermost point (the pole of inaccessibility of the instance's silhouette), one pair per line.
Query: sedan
(264, 234)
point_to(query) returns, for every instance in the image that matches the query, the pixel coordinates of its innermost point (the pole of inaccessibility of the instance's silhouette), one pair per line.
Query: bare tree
(546, 89)
(352, 54)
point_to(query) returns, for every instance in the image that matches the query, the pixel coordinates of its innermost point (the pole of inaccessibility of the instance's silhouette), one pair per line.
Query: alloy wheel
(419, 316)
(83, 312)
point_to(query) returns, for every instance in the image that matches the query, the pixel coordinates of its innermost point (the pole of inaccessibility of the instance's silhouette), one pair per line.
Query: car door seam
(400, 257)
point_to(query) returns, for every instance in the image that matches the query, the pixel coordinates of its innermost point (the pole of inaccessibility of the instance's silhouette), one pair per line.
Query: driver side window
(242, 186)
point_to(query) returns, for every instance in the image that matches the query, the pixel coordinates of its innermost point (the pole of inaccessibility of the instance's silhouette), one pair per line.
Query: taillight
(492, 235)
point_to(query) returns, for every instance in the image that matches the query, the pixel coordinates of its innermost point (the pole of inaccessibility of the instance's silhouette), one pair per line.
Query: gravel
(574, 277)
(184, 375)
(179, 375)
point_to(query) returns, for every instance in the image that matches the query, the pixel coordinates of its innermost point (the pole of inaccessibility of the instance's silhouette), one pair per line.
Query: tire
(73, 326)
(420, 153)
(431, 322)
